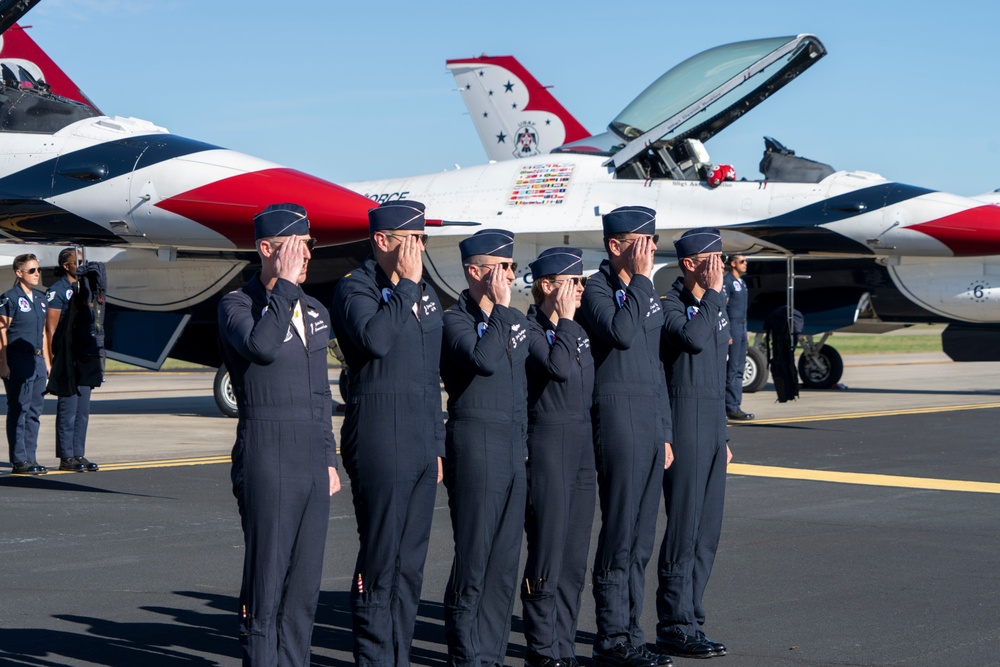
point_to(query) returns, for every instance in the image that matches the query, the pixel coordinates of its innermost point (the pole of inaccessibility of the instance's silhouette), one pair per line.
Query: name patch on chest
(428, 305)
(318, 325)
(517, 335)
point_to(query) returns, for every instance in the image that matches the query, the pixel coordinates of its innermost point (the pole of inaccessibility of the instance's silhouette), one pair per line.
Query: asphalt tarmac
(861, 529)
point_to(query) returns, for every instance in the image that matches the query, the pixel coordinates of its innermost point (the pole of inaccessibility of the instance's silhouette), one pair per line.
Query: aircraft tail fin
(515, 116)
(20, 54)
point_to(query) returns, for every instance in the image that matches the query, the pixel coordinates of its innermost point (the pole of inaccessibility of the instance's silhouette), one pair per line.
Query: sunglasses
(576, 280)
(32, 271)
(309, 243)
(655, 238)
(503, 265)
(421, 237)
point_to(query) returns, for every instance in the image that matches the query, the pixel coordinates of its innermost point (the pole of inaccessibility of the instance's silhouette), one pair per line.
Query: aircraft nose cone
(227, 206)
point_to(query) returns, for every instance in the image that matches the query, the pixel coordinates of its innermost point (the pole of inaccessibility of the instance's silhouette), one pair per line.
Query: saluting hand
(566, 300)
(409, 263)
(289, 258)
(498, 286)
(713, 273)
(642, 256)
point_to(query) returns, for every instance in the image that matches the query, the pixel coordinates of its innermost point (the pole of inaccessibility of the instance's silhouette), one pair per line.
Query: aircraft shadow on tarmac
(194, 406)
(785, 427)
(921, 392)
(45, 483)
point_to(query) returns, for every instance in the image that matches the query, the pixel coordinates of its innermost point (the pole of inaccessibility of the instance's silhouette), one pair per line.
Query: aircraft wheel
(222, 390)
(755, 371)
(821, 370)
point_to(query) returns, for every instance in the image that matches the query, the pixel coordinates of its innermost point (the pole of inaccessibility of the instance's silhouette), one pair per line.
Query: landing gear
(820, 366)
(222, 391)
(755, 372)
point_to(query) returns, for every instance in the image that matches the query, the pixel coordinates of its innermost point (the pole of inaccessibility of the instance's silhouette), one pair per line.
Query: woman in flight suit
(562, 478)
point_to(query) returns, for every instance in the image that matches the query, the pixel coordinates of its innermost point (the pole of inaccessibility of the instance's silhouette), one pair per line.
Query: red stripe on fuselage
(336, 215)
(969, 233)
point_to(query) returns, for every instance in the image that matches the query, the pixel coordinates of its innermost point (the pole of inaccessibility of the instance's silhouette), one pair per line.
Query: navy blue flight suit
(72, 412)
(284, 444)
(26, 360)
(695, 342)
(483, 368)
(631, 423)
(736, 312)
(393, 433)
(561, 482)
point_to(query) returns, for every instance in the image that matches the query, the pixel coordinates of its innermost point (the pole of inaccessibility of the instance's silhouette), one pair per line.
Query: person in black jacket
(388, 323)
(737, 299)
(561, 477)
(24, 363)
(274, 341)
(621, 312)
(72, 412)
(695, 342)
(482, 364)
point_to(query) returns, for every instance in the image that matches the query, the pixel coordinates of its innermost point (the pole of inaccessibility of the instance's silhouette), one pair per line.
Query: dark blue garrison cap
(495, 242)
(401, 214)
(280, 220)
(702, 239)
(558, 261)
(629, 220)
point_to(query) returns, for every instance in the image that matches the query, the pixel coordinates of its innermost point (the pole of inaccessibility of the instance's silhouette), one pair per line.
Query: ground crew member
(24, 363)
(695, 341)
(737, 299)
(622, 314)
(72, 412)
(274, 342)
(561, 477)
(482, 365)
(388, 323)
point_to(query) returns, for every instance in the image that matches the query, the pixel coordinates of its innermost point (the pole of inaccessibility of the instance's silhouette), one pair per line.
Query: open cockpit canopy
(656, 135)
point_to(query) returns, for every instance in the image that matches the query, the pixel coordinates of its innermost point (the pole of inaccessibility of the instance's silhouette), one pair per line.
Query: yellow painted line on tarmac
(168, 463)
(864, 479)
(162, 463)
(871, 413)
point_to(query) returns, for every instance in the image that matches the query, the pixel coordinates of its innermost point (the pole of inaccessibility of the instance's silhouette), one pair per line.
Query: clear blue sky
(354, 91)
